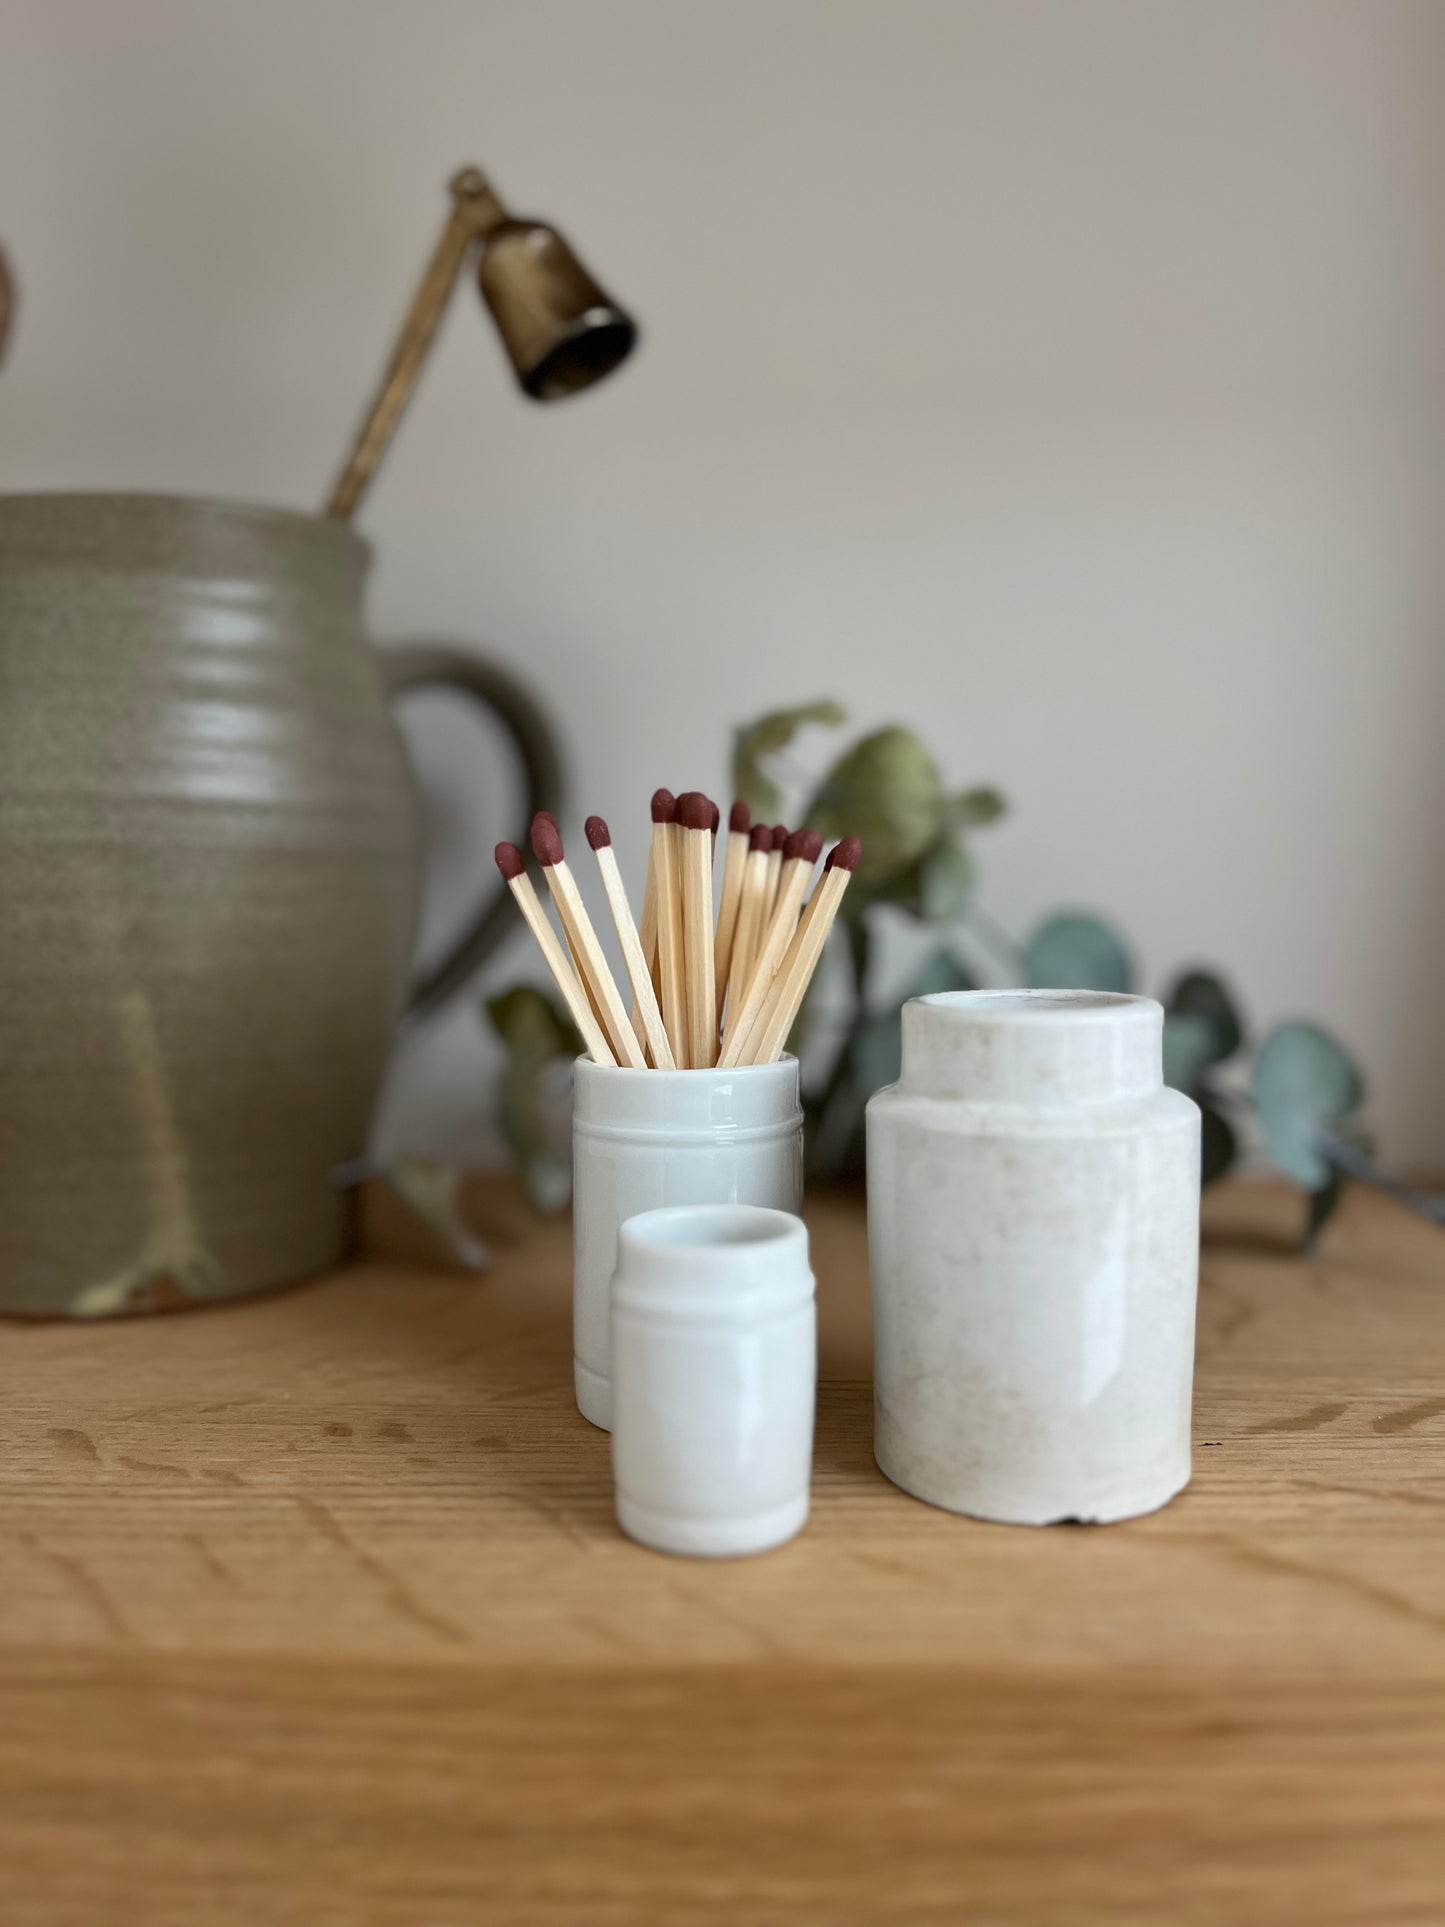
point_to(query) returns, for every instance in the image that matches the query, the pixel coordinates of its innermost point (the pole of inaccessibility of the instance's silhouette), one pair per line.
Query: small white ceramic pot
(1033, 1215)
(645, 1139)
(714, 1374)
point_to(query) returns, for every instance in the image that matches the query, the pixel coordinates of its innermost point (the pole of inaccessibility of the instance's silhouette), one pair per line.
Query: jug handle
(439, 665)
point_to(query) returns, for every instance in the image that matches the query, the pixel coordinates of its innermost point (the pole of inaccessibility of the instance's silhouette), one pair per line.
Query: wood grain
(313, 1610)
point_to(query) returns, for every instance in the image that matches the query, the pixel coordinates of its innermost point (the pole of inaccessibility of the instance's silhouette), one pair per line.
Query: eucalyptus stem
(1351, 1162)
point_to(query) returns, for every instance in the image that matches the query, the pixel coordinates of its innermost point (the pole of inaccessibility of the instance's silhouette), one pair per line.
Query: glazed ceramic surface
(208, 873)
(645, 1139)
(714, 1373)
(1033, 1212)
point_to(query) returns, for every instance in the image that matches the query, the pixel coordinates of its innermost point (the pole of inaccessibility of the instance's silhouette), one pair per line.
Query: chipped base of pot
(1046, 1506)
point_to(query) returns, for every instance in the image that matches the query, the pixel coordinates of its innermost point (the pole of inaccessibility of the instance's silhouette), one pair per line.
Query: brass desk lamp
(560, 330)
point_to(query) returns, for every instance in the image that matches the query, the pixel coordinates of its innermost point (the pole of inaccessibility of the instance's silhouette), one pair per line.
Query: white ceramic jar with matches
(1033, 1210)
(642, 1140)
(714, 1373)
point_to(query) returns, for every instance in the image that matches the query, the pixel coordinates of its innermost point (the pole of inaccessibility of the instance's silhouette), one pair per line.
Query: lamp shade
(561, 330)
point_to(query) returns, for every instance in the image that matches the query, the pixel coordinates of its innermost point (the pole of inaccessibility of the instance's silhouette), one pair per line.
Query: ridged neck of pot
(231, 549)
(1044, 1049)
(711, 1105)
(728, 1263)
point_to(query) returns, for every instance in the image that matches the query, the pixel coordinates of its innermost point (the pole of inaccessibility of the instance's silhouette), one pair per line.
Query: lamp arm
(475, 213)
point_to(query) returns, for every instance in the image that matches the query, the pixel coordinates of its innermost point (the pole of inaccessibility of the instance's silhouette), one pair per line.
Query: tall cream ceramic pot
(208, 882)
(1033, 1214)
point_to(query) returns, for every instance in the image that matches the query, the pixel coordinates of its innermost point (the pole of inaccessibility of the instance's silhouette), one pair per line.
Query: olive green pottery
(208, 881)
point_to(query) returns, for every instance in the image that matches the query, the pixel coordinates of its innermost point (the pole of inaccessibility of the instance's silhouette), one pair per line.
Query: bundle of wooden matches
(717, 975)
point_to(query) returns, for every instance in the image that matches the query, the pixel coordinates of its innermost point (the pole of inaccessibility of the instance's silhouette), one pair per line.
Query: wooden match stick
(795, 973)
(775, 870)
(592, 965)
(800, 853)
(734, 863)
(750, 921)
(546, 816)
(695, 815)
(666, 847)
(645, 1007)
(664, 809)
(512, 867)
(810, 909)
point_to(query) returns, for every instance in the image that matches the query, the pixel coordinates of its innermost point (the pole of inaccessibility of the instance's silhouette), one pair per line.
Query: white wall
(1064, 378)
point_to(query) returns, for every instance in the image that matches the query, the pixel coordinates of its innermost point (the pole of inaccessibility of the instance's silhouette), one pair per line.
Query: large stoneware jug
(208, 882)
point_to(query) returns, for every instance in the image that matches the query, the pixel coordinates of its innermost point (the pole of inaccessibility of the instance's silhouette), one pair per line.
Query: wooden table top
(313, 1610)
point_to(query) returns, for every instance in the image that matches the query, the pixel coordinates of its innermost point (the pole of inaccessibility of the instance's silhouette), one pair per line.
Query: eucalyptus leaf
(1188, 1048)
(942, 972)
(431, 1191)
(1305, 1084)
(547, 1181)
(532, 1026)
(1200, 995)
(887, 791)
(533, 1097)
(1218, 1145)
(876, 1050)
(1076, 951)
(974, 809)
(769, 734)
(534, 1108)
(875, 1055)
(901, 890)
(834, 1130)
(945, 877)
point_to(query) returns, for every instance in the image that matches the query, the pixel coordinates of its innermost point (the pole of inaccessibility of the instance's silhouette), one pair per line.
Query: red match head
(780, 835)
(598, 834)
(812, 845)
(546, 843)
(795, 846)
(845, 855)
(739, 819)
(509, 860)
(714, 816)
(664, 806)
(761, 837)
(694, 812)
